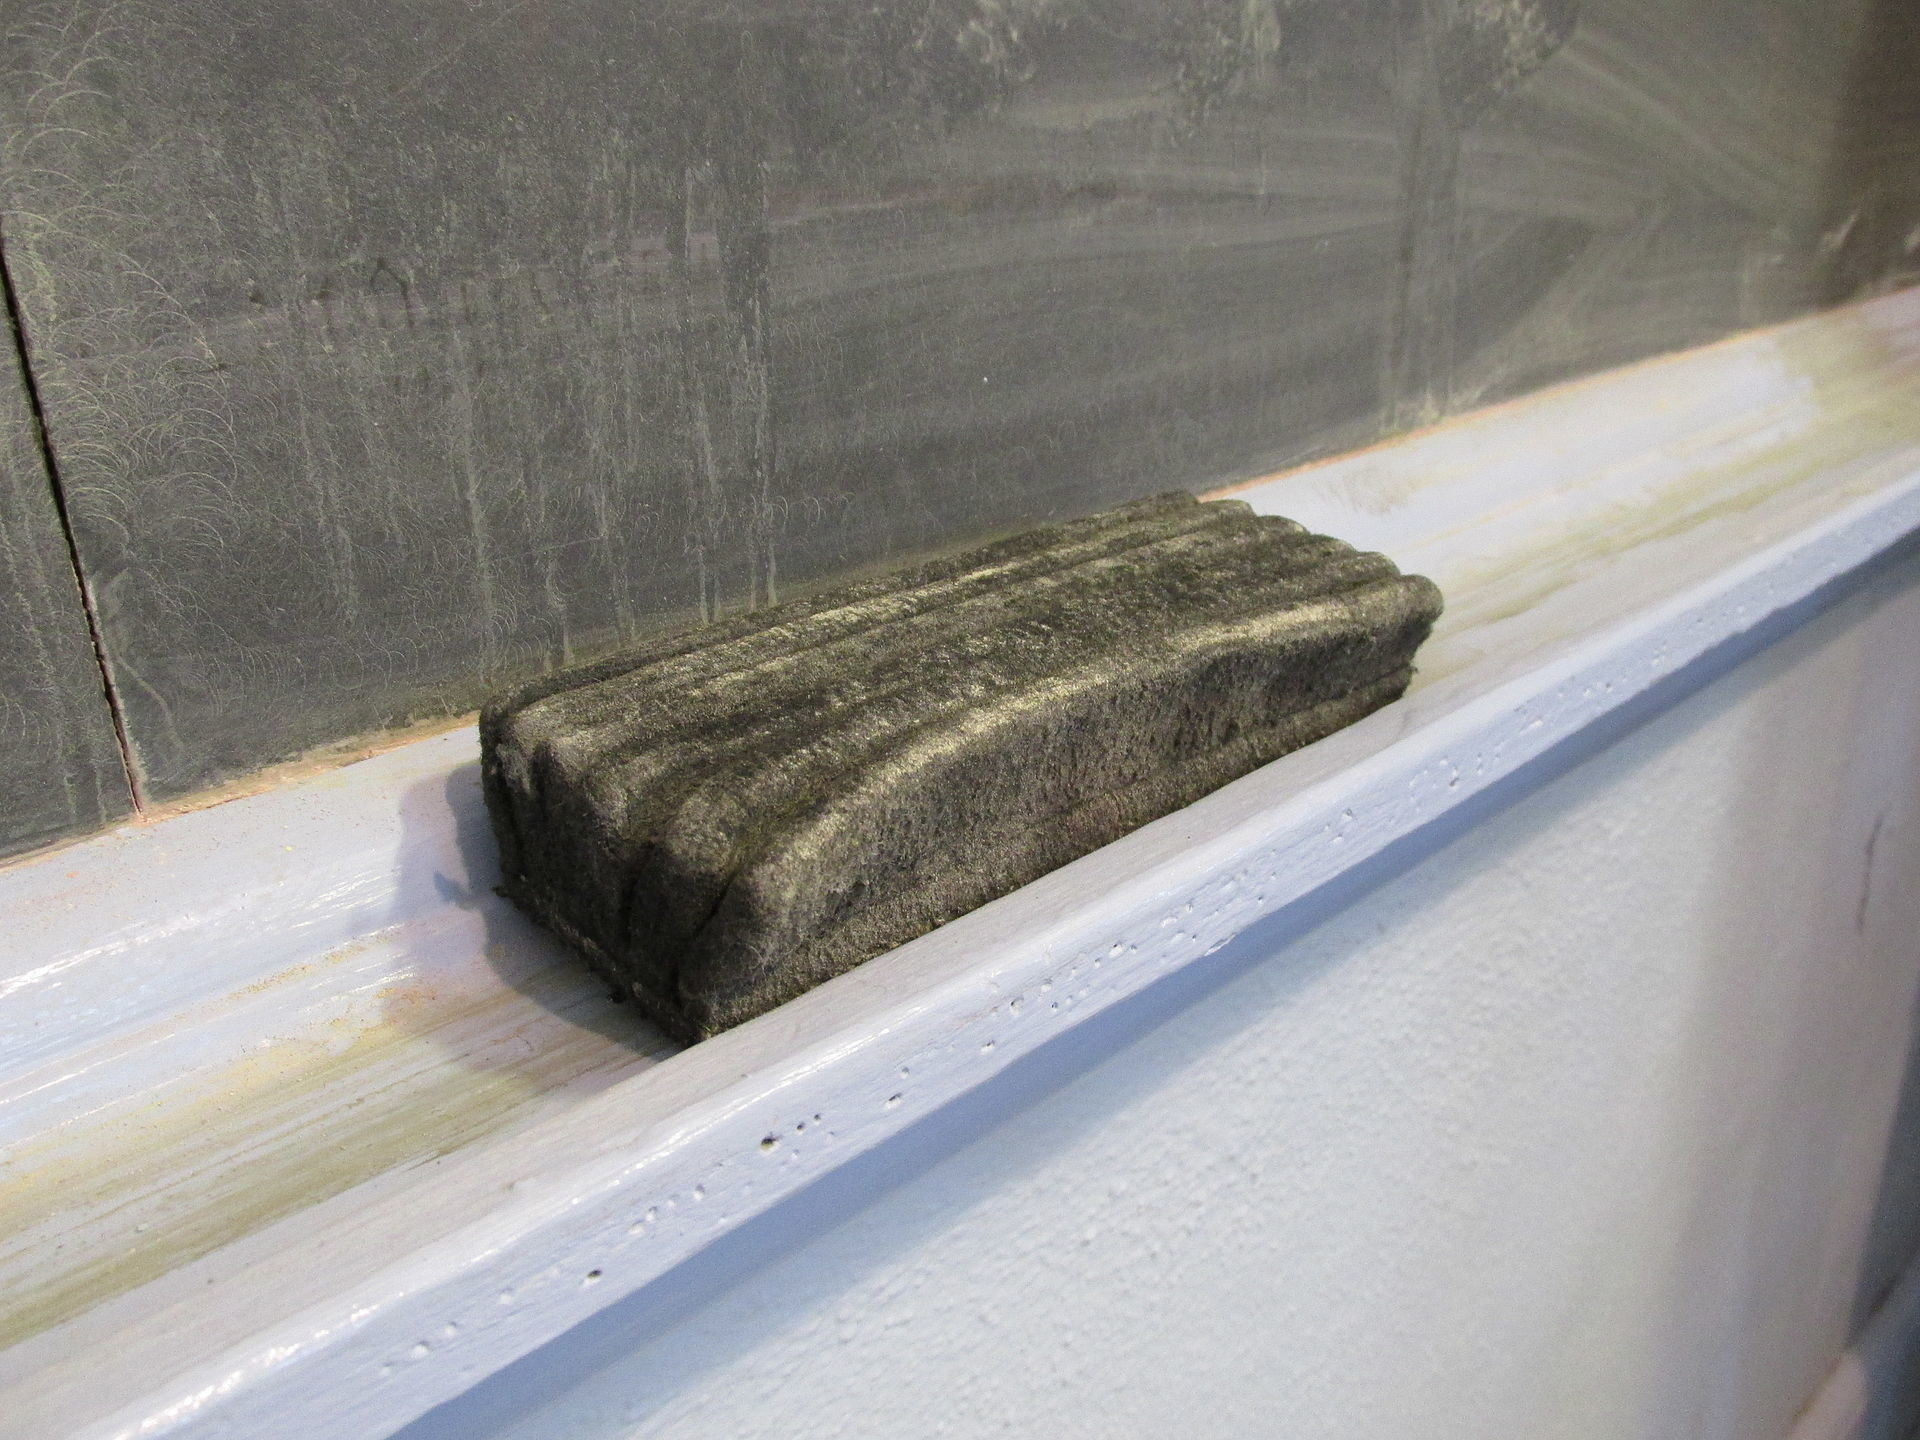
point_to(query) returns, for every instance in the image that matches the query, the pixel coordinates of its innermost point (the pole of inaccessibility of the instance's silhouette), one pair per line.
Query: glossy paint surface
(394, 353)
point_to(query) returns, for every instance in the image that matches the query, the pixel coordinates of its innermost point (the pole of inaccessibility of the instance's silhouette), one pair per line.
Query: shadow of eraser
(726, 817)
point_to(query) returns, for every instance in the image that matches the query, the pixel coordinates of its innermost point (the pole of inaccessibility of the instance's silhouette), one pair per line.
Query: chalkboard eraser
(725, 818)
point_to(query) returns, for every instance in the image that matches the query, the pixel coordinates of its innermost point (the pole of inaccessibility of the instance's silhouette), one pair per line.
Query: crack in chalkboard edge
(43, 442)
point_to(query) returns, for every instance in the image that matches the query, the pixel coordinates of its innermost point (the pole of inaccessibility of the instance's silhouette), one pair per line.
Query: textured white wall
(1575, 1128)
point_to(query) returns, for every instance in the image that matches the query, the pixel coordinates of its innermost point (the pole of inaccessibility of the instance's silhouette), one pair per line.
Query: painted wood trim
(1594, 542)
(1861, 1398)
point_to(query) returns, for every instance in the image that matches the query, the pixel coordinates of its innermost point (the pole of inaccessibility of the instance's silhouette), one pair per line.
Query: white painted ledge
(305, 1132)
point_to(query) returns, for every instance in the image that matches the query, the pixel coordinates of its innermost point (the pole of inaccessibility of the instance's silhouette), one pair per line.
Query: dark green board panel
(393, 352)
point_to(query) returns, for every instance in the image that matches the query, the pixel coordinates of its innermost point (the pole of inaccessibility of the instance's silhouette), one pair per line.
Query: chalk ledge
(311, 1133)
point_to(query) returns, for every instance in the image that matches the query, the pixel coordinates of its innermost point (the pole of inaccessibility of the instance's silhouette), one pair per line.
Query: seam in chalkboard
(17, 331)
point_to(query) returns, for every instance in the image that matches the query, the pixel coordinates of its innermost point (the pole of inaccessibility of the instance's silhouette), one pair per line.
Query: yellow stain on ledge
(127, 1194)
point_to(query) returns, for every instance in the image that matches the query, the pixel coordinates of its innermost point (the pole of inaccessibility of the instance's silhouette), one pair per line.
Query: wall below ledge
(1575, 1124)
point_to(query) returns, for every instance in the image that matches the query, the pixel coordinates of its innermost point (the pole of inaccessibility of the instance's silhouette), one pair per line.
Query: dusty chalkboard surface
(60, 766)
(730, 816)
(394, 354)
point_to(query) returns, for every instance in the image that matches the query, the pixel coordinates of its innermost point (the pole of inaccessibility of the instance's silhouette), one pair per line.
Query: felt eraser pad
(728, 816)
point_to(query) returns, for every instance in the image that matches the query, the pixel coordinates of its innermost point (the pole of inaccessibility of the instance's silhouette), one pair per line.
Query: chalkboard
(60, 768)
(394, 352)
